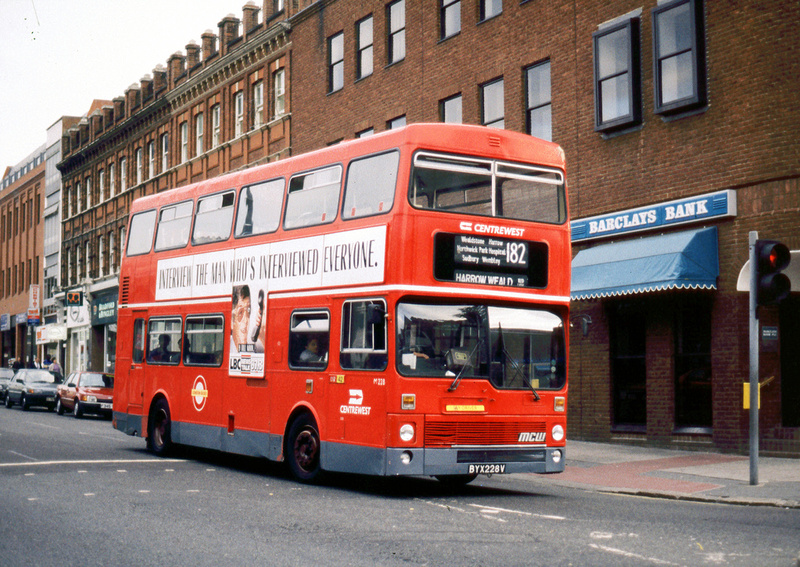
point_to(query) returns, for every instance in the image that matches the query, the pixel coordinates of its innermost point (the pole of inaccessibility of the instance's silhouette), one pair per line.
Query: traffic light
(74, 298)
(772, 258)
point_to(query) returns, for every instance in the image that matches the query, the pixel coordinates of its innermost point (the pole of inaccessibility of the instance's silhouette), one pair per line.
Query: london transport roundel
(199, 393)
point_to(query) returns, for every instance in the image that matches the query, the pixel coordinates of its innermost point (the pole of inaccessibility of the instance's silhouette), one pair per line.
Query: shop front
(104, 330)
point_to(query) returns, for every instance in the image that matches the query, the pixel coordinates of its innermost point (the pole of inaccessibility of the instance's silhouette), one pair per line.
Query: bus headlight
(557, 433)
(407, 432)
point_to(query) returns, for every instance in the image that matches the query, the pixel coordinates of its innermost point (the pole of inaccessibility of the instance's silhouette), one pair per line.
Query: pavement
(680, 475)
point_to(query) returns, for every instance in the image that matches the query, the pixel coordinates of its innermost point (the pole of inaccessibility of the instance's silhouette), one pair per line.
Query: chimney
(175, 67)
(119, 108)
(96, 123)
(159, 78)
(83, 131)
(209, 44)
(228, 31)
(66, 148)
(147, 87)
(108, 116)
(132, 97)
(192, 55)
(250, 17)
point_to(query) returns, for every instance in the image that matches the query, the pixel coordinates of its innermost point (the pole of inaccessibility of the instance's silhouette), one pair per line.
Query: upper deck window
(213, 219)
(370, 186)
(143, 226)
(173, 226)
(488, 188)
(313, 198)
(260, 208)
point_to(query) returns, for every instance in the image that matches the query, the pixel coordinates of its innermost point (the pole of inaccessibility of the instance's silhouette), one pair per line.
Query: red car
(86, 392)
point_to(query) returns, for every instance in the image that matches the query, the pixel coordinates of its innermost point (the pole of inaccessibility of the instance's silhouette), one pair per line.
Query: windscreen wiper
(518, 370)
(457, 379)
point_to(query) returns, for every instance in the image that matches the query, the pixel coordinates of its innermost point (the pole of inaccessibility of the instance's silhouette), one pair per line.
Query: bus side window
(140, 235)
(364, 335)
(173, 226)
(137, 355)
(260, 208)
(213, 218)
(309, 339)
(370, 186)
(313, 198)
(203, 342)
(164, 341)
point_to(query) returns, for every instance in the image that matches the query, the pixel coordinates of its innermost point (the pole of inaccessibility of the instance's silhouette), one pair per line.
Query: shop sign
(104, 309)
(78, 316)
(50, 334)
(21, 318)
(716, 205)
(5, 322)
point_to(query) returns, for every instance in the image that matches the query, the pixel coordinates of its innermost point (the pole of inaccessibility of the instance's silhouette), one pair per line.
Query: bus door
(358, 398)
(134, 390)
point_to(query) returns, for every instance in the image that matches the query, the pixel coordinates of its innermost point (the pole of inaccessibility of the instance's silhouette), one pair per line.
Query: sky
(57, 56)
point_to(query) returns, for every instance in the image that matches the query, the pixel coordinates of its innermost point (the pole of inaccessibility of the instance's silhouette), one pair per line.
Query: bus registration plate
(487, 469)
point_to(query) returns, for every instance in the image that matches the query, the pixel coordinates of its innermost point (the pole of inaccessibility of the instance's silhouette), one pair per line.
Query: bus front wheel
(159, 429)
(303, 449)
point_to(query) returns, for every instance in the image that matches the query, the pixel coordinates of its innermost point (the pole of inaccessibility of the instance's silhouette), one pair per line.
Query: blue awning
(682, 260)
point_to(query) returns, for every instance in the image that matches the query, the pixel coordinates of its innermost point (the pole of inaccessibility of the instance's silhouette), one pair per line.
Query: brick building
(21, 249)
(221, 106)
(679, 122)
(678, 119)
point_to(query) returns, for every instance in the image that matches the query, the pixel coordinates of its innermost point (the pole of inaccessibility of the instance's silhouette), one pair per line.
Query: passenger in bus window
(240, 317)
(161, 353)
(311, 352)
(138, 342)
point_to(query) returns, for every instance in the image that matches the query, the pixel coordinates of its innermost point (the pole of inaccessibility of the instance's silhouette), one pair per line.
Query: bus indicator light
(409, 401)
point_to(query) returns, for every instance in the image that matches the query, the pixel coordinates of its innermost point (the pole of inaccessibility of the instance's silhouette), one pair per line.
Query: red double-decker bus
(394, 305)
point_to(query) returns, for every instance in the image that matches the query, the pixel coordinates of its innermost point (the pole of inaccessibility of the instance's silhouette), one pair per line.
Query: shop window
(364, 335)
(628, 366)
(693, 365)
(679, 56)
(789, 333)
(309, 339)
(617, 88)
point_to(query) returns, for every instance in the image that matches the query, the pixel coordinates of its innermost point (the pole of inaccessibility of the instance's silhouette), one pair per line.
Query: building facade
(679, 121)
(221, 106)
(21, 249)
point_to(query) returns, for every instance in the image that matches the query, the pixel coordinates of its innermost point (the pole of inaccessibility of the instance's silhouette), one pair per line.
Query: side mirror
(375, 314)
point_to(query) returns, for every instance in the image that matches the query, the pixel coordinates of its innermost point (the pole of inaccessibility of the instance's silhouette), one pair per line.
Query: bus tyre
(303, 449)
(456, 480)
(159, 429)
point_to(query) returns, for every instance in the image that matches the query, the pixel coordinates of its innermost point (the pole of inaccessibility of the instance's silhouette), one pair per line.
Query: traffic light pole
(753, 360)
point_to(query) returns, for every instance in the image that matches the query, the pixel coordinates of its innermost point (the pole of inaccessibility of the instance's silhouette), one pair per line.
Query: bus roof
(452, 138)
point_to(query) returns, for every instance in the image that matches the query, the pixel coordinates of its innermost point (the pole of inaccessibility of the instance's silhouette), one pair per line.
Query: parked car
(33, 387)
(6, 374)
(86, 392)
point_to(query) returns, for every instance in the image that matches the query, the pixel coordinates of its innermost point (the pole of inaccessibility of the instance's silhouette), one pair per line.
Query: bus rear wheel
(159, 429)
(303, 449)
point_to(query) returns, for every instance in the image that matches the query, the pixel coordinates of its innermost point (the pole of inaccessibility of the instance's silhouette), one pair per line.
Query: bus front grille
(447, 433)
